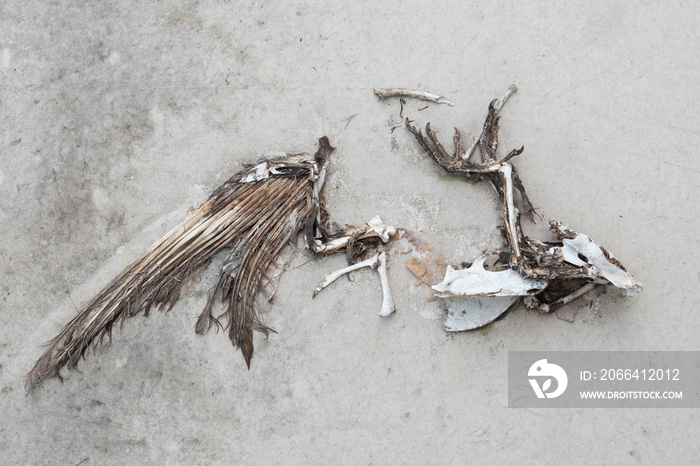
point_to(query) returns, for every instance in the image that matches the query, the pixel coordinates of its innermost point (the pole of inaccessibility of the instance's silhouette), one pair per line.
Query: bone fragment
(504, 98)
(511, 212)
(568, 298)
(387, 301)
(601, 265)
(373, 228)
(477, 281)
(396, 92)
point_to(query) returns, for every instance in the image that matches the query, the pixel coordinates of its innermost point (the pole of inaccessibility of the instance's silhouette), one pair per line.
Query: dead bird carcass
(255, 214)
(544, 275)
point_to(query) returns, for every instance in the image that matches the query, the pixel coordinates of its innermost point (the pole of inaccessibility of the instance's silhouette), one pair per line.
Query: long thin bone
(396, 92)
(333, 276)
(568, 298)
(504, 98)
(387, 301)
(377, 262)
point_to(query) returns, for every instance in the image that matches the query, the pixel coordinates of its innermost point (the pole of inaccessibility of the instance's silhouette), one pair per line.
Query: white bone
(477, 281)
(333, 276)
(568, 298)
(394, 92)
(373, 228)
(599, 267)
(504, 98)
(387, 301)
(378, 228)
(377, 262)
(507, 171)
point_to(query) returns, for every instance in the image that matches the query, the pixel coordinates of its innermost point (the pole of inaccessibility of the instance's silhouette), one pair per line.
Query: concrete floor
(114, 118)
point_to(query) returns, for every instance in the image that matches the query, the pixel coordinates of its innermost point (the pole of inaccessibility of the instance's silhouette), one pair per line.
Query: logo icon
(543, 369)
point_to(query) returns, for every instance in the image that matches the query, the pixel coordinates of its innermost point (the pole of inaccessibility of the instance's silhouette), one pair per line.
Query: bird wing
(257, 211)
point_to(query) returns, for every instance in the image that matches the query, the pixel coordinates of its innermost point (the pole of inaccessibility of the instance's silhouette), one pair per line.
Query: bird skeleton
(263, 207)
(544, 275)
(255, 214)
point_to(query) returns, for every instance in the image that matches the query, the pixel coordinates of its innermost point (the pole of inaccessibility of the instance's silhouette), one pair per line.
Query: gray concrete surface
(115, 117)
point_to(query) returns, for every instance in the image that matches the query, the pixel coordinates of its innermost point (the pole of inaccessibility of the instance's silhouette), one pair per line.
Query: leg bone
(377, 262)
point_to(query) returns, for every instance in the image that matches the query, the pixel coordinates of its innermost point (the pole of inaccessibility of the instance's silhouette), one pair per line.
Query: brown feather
(256, 212)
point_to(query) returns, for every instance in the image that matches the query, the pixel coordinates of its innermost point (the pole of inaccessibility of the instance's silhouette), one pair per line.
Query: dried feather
(256, 212)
